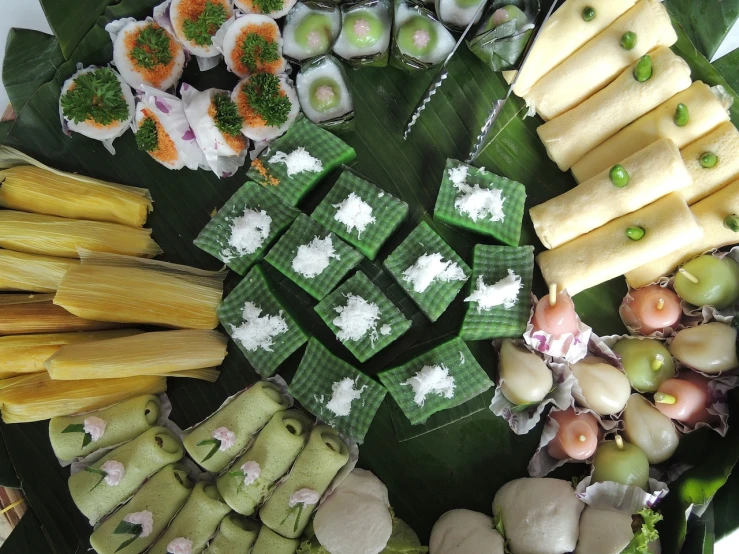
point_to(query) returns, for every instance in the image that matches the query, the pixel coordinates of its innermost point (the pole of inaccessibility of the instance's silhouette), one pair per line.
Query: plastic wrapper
(628, 499)
(404, 12)
(378, 53)
(340, 118)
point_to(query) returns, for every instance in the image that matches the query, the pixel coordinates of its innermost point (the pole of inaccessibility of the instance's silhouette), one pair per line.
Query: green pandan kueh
(162, 496)
(316, 466)
(274, 451)
(269, 542)
(347, 201)
(236, 535)
(123, 422)
(243, 416)
(140, 458)
(196, 522)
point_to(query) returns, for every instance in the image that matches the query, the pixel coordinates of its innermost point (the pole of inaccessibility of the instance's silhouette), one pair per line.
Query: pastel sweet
(269, 542)
(649, 429)
(236, 535)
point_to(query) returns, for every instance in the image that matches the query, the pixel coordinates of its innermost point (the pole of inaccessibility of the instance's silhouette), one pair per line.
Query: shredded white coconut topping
(258, 331)
(297, 161)
(433, 379)
(356, 319)
(344, 393)
(180, 545)
(252, 471)
(354, 213)
(386, 330)
(95, 427)
(314, 257)
(114, 472)
(503, 293)
(248, 233)
(477, 203)
(432, 267)
(226, 437)
(145, 519)
(306, 497)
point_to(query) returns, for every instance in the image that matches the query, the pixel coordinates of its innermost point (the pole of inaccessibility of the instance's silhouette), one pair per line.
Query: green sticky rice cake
(236, 535)
(269, 542)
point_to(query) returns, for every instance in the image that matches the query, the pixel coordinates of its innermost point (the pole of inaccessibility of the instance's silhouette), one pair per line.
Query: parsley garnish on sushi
(268, 6)
(200, 30)
(152, 48)
(147, 138)
(227, 117)
(263, 93)
(258, 51)
(96, 95)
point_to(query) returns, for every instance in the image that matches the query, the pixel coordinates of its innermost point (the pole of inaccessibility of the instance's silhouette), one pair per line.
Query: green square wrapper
(508, 230)
(313, 383)
(436, 298)
(214, 236)
(388, 211)
(491, 263)
(302, 232)
(319, 143)
(255, 288)
(360, 285)
(470, 380)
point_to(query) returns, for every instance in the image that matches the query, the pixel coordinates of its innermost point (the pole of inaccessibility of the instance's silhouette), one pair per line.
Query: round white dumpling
(465, 532)
(187, 17)
(323, 92)
(253, 43)
(273, 8)
(365, 31)
(603, 531)
(264, 116)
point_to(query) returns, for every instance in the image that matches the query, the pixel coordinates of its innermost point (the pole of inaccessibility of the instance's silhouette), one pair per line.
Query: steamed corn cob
(30, 272)
(30, 186)
(57, 236)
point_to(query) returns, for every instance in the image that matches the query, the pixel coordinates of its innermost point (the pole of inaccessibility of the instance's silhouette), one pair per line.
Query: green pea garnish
(643, 69)
(588, 13)
(732, 222)
(619, 176)
(681, 115)
(628, 40)
(708, 160)
(635, 233)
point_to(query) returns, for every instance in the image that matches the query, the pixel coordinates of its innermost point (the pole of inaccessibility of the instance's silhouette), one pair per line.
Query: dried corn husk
(30, 272)
(58, 236)
(26, 314)
(22, 354)
(36, 397)
(131, 290)
(30, 186)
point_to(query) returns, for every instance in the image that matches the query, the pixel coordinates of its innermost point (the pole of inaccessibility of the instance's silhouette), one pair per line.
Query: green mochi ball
(313, 33)
(417, 37)
(363, 28)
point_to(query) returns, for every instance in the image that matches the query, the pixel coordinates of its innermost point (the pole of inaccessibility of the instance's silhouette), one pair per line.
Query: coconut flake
(145, 519)
(314, 257)
(306, 497)
(386, 330)
(354, 213)
(356, 319)
(180, 545)
(114, 472)
(258, 331)
(297, 161)
(252, 470)
(432, 267)
(95, 427)
(248, 233)
(476, 202)
(432, 379)
(344, 393)
(503, 293)
(225, 436)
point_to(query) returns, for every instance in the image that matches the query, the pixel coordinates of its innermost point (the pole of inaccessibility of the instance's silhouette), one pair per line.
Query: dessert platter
(369, 277)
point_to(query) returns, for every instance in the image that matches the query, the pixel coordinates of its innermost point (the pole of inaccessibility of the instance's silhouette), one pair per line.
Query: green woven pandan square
(214, 238)
(296, 241)
(317, 379)
(451, 199)
(388, 213)
(423, 240)
(319, 143)
(491, 264)
(470, 380)
(390, 326)
(255, 289)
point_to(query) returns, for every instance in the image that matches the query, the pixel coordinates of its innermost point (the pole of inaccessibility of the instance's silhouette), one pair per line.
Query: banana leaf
(460, 465)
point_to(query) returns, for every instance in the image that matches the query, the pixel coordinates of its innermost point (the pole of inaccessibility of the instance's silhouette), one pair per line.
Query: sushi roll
(216, 122)
(252, 43)
(145, 53)
(97, 103)
(365, 32)
(272, 8)
(267, 105)
(421, 41)
(324, 96)
(311, 28)
(457, 14)
(162, 130)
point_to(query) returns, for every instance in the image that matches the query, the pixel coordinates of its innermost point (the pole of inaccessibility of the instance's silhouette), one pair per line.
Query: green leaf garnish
(263, 94)
(201, 30)
(298, 510)
(147, 137)
(257, 52)
(152, 48)
(96, 95)
(228, 119)
(268, 6)
(240, 476)
(498, 523)
(216, 445)
(127, 528)
(96, 471)
(645, 534)
(79, 428)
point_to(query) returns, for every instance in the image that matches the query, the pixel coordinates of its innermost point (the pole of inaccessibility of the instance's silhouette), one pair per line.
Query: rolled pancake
(573, 134)
(197, 521)
(141, 457)
(274, 450)
(722, 141)
(706, 112)
(163, 495)
(316, 466)
(269, 542)
(710, 214)
(123, 422)
(607, 252)
(654, 172)
(236, 535)
(244, 415)
(563, 34)
(601, 59)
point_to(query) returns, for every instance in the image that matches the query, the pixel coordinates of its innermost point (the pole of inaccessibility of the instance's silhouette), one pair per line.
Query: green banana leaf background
(460, 465)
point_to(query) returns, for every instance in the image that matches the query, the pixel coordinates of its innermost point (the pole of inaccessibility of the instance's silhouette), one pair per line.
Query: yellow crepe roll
(599, 61)
(705, 112)
(709, 177)
(565, 32)
(573, 134)
(608, 251)
(654, 172)
(710, 214)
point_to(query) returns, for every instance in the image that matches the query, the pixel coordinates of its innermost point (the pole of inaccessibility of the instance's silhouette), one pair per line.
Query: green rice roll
(236, 535)
(269, 542)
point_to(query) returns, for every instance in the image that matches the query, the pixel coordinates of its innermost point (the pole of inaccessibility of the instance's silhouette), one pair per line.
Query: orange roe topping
(190, 10)
(166, 150)
(236, 142)
(269, 32)
(156, 75)
(259, 166)
(251, 118)
(91, 122)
